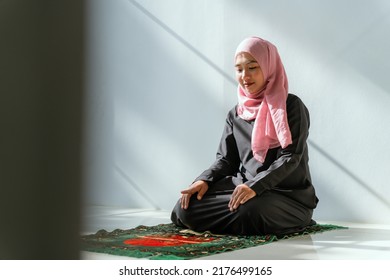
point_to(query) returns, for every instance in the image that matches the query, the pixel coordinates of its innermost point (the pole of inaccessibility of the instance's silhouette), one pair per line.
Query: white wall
(161, 82)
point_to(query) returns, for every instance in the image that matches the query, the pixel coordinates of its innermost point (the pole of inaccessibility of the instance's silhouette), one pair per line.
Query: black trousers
(270, 213)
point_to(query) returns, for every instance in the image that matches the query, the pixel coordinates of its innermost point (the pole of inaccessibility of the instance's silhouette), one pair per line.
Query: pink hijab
(267, 107)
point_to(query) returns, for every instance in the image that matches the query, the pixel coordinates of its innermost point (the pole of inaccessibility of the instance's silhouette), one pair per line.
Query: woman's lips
(248, 84)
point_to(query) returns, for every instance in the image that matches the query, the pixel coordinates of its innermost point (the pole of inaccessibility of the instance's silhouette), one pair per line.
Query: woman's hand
(199, 187)
(241, 194)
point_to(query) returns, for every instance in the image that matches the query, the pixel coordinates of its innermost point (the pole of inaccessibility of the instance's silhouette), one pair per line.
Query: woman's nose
(245, 75)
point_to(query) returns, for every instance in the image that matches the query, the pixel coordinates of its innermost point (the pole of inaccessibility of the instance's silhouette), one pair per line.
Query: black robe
(285, 195)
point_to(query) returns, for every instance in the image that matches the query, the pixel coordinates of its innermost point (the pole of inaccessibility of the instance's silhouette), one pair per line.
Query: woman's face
(248, 73)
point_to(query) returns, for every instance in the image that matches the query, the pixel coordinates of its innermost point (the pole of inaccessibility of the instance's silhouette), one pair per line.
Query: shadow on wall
(155, 125)
(350, 174)
(182, 41)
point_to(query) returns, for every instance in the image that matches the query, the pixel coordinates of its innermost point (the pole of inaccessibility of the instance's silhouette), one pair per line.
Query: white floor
(358, 242)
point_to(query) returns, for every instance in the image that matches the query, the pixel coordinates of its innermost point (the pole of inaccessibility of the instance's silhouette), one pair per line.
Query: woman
(260, 182)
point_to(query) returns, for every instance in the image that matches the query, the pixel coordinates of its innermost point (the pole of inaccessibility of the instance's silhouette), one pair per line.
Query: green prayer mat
(169, 242)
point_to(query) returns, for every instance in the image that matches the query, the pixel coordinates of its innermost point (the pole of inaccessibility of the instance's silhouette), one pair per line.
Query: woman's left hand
(241, 194)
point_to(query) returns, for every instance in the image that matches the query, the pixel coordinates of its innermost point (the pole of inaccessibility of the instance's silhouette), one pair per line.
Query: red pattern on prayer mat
(166, 240)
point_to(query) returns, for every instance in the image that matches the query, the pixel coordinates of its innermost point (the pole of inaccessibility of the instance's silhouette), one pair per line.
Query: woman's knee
(261, 216)
(181, 217)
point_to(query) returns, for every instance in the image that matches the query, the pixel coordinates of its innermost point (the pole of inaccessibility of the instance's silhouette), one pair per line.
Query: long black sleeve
(283, 170)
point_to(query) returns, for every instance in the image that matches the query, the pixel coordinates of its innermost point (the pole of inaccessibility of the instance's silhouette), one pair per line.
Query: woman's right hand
(199, 187)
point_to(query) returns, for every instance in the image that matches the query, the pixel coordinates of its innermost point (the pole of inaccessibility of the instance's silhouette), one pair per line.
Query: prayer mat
(169, 242)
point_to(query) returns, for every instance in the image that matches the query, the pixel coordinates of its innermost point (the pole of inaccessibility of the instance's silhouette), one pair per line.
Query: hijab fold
(268, 107)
